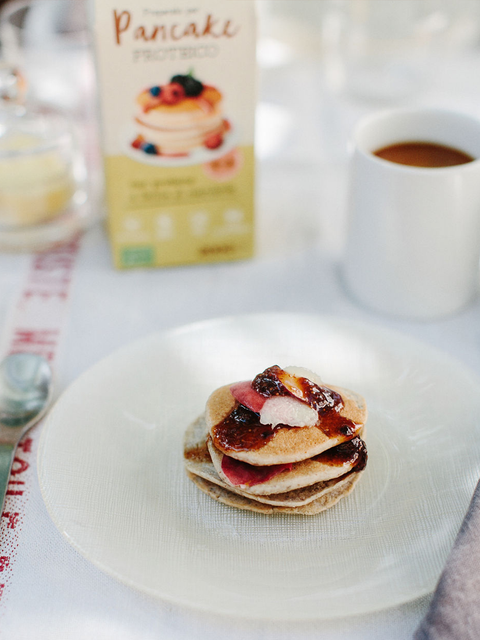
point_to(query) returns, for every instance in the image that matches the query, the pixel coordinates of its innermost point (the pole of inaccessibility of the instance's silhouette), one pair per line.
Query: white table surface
(302, 175)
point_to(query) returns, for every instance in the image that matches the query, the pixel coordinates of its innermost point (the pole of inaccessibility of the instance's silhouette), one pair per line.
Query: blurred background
(321, 62)
(329, 62)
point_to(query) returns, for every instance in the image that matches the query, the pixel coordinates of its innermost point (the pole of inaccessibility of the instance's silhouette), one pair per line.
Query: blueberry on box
(150, 148)
(191, 86)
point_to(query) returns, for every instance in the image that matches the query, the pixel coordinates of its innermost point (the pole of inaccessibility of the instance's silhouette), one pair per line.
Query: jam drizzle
(241, 430)
(274, 381)
(352, 452)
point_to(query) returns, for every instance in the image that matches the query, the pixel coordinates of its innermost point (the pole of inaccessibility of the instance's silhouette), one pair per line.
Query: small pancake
(199, 463)
(290, 444)
(296, 498)
(302, 474)
(232, 499)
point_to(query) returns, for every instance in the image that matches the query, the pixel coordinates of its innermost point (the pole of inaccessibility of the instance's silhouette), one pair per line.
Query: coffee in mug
(413, 244)
(423, 154)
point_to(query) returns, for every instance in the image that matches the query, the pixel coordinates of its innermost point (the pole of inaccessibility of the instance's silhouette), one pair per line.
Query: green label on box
(138, 257)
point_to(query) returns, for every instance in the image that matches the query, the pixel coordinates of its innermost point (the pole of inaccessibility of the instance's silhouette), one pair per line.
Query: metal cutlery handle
(7, 453)
(25, 392)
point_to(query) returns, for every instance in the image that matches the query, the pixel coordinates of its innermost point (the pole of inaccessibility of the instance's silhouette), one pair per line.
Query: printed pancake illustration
(175, 118)
(284, 442)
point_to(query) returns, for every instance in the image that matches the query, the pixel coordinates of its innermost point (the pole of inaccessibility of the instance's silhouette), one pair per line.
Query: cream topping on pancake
(289, 411)
(303, 372)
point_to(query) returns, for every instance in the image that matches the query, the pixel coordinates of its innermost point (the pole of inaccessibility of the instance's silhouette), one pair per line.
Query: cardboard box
(177, 84)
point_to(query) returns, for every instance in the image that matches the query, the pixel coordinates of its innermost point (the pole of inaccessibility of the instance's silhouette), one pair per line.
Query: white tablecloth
(53, 592)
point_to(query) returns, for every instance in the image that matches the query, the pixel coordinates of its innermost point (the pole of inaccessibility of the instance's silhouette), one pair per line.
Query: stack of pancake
(282, 443)
(181, 127)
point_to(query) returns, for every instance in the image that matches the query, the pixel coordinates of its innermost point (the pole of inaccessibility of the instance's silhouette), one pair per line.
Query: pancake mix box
(177, 98)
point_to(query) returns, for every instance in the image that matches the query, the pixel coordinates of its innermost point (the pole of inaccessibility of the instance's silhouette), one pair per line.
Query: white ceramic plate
(111, 471)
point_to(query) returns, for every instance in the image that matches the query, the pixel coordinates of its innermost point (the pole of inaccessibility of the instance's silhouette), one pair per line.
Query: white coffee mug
(413, 245)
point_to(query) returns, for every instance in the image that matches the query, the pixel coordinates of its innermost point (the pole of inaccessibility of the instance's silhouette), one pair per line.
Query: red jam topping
(353, 452)
(241, 430)
(242, 473)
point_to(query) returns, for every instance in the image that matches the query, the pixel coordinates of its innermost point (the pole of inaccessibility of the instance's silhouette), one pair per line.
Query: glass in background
(372, 49)
(312, 54)
(43, 193)
(383, 50)
(49, 41)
